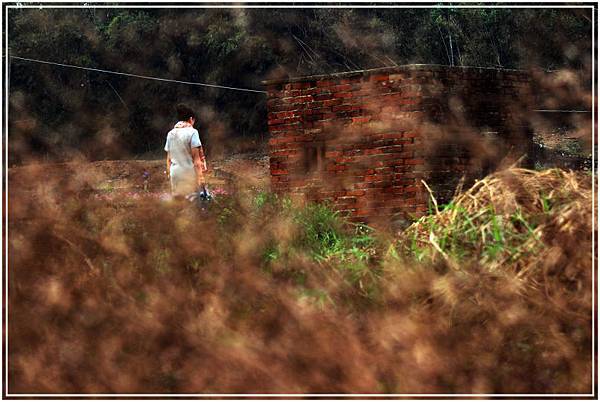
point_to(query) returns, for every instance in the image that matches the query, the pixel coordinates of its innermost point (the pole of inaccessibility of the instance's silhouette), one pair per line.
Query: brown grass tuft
(143, 295)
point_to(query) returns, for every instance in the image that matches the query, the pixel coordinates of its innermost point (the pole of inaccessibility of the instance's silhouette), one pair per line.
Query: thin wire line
(137, 75)
(561, 111)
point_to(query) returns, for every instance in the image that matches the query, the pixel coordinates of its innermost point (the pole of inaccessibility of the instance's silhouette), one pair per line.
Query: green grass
(358, 253)
(483, 235)
(322, 236)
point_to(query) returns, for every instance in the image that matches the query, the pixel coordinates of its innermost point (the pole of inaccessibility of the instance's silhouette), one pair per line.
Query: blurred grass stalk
(489, 294)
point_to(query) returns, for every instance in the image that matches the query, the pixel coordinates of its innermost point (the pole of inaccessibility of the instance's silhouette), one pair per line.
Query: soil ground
(127, 176)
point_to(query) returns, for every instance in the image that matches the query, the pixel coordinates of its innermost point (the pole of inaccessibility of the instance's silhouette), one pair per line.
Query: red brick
(379, 77)
(408, 101)
(341, 108)
(403, 156)
(314, 104)
(373, 151)
(342, 159)
(323, 110)
(362, 212)
(361, 119)
(340, 88)
(311, 91)
(332, 102)
(301, 85)
(336, 168)
(324, 83)
(343, 95)
(313, 117)
(306, 99)
(284, 152)
(283, 108)
(287, 134)
(323, 97)
(392, 98)
(397, 149)
(304, 138)
(291, 93)
(286, 114)
(343, 198)
(414, 161)
(275, 121)
(275, 141)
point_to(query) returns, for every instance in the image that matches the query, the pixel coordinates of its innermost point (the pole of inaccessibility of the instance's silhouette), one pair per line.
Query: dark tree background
(60, 113)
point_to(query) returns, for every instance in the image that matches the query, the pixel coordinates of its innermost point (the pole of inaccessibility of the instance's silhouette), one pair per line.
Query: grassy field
(117, 289)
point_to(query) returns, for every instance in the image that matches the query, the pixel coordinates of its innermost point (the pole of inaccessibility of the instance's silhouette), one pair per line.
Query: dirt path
(133, 175)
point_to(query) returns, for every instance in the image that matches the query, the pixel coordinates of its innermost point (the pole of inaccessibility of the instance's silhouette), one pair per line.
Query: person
(186, 162)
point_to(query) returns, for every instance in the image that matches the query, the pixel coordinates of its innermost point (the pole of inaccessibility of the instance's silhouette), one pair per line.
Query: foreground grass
(258, 294)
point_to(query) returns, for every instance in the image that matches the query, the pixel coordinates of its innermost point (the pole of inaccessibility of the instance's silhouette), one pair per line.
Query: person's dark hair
(184, 112)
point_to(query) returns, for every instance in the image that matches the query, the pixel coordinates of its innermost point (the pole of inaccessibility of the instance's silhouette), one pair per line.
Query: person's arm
(168, 164)
(168, 157)
(203, 159)
(199, 165)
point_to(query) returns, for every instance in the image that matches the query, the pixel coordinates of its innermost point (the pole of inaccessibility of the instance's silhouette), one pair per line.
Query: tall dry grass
(260, 295)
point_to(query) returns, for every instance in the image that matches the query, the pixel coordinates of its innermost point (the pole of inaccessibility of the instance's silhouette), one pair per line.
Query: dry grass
(536, 226)
(260, 295)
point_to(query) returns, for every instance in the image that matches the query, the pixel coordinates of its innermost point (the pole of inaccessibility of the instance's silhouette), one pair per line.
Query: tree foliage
(239, 48)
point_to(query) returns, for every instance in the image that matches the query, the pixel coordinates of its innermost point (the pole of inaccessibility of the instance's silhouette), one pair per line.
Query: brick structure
(365, 140)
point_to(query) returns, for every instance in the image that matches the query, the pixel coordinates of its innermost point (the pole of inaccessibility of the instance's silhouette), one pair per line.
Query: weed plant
(259, 294)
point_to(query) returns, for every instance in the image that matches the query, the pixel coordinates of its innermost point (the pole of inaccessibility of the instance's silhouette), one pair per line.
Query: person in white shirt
(186, 162)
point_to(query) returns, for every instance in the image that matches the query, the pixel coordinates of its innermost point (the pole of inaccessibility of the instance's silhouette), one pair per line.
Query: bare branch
(444, 42)
(392, 61)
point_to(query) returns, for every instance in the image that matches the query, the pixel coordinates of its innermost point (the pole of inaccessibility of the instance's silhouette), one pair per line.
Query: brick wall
(364, 140)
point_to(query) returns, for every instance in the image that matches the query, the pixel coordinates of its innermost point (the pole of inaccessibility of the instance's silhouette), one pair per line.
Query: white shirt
(180, 141)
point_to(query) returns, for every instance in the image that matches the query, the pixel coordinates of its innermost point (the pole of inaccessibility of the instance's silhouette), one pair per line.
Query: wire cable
(561, 111)
(137, 75)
